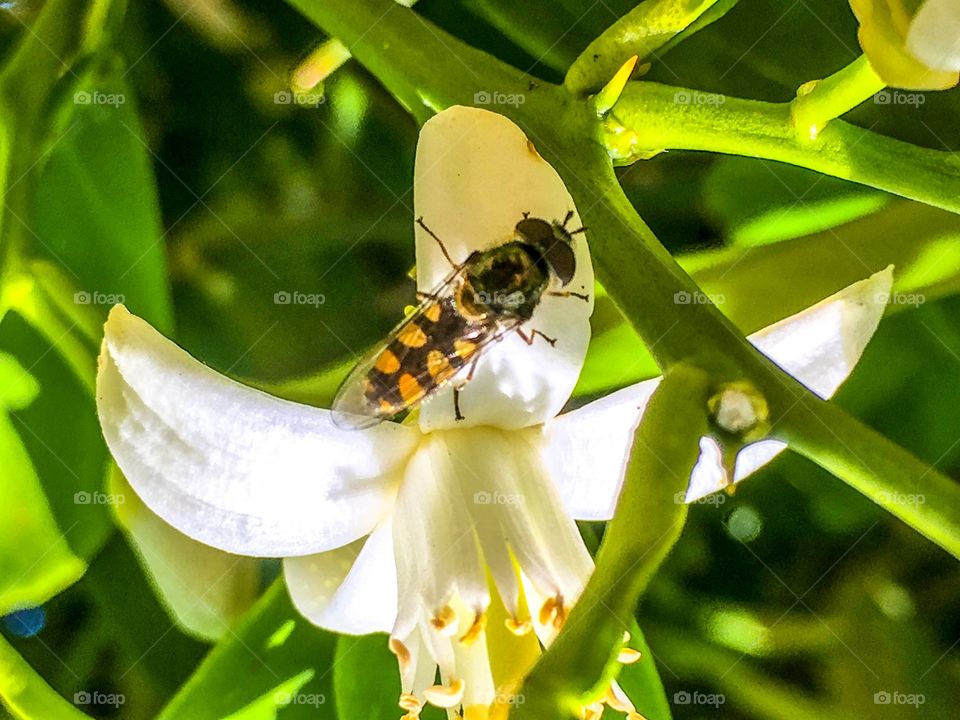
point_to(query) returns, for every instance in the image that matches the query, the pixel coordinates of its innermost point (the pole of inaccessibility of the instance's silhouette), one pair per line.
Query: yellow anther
(410, 703)
(518, 627)
(401, 651)
(628, 656)
(476, 629)
(446, 696)
(445, 621)
(553, 612)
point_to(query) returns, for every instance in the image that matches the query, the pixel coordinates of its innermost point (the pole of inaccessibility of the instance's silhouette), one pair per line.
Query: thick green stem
(907, 487)
(581, 662)
(642, 31)
(820, 101)
(650, 118)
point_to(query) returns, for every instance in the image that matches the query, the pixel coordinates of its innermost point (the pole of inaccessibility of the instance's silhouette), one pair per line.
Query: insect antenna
(443, 248)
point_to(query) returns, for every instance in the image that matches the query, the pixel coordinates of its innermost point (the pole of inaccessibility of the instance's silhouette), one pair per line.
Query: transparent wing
(352, 405)
(428, 349)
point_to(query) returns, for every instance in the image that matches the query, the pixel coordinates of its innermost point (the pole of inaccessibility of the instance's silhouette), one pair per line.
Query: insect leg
(568, 293)
(528, 339)
(459, 386)
(443, 248)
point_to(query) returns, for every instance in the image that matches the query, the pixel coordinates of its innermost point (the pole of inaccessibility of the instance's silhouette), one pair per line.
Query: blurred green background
(200, 198)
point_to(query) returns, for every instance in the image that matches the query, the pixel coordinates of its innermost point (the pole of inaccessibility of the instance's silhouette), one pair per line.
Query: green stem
(820, 101)
(907, 487)
(642, 31)
(650, 118)
(581, 662)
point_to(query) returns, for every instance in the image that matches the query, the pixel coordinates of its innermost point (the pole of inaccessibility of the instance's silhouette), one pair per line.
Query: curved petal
(934, 35)
(476, 174)
(231, 466)
(352, 589)
(587, 449)
(205, 590)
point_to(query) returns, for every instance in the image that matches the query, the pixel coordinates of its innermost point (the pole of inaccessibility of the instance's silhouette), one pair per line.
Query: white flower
(397, 528)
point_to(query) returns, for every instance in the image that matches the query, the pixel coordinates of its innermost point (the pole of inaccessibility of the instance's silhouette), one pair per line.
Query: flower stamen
(628, 656)
(445, 621)
(554, 612)
(518, 627)
(446, 696)
(411, 703)
(475, 630)
(402, 652)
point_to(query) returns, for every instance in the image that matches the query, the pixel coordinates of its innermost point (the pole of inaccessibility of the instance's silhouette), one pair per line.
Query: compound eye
(535, 231)
(561, 259)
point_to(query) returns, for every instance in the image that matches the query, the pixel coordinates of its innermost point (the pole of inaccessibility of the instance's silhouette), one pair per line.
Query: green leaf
(26, 695)
(96, 207)
(366, 680)
(35, 560)
(284, 662)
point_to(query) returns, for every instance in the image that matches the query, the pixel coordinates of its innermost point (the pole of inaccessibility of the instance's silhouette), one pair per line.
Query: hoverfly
(489, 295)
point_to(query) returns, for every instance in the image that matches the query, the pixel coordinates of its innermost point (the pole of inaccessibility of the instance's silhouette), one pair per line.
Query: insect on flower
(490, 294)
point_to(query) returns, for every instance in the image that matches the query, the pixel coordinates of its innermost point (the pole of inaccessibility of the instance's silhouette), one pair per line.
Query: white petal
(476, 174)
(513, 502)
(352, 589)
(587, 449)
(934, 35)
(206, 590)
(436, 546)
(234, 467)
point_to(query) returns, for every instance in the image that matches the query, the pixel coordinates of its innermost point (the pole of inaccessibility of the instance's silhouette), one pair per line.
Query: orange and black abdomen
(427, 350)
